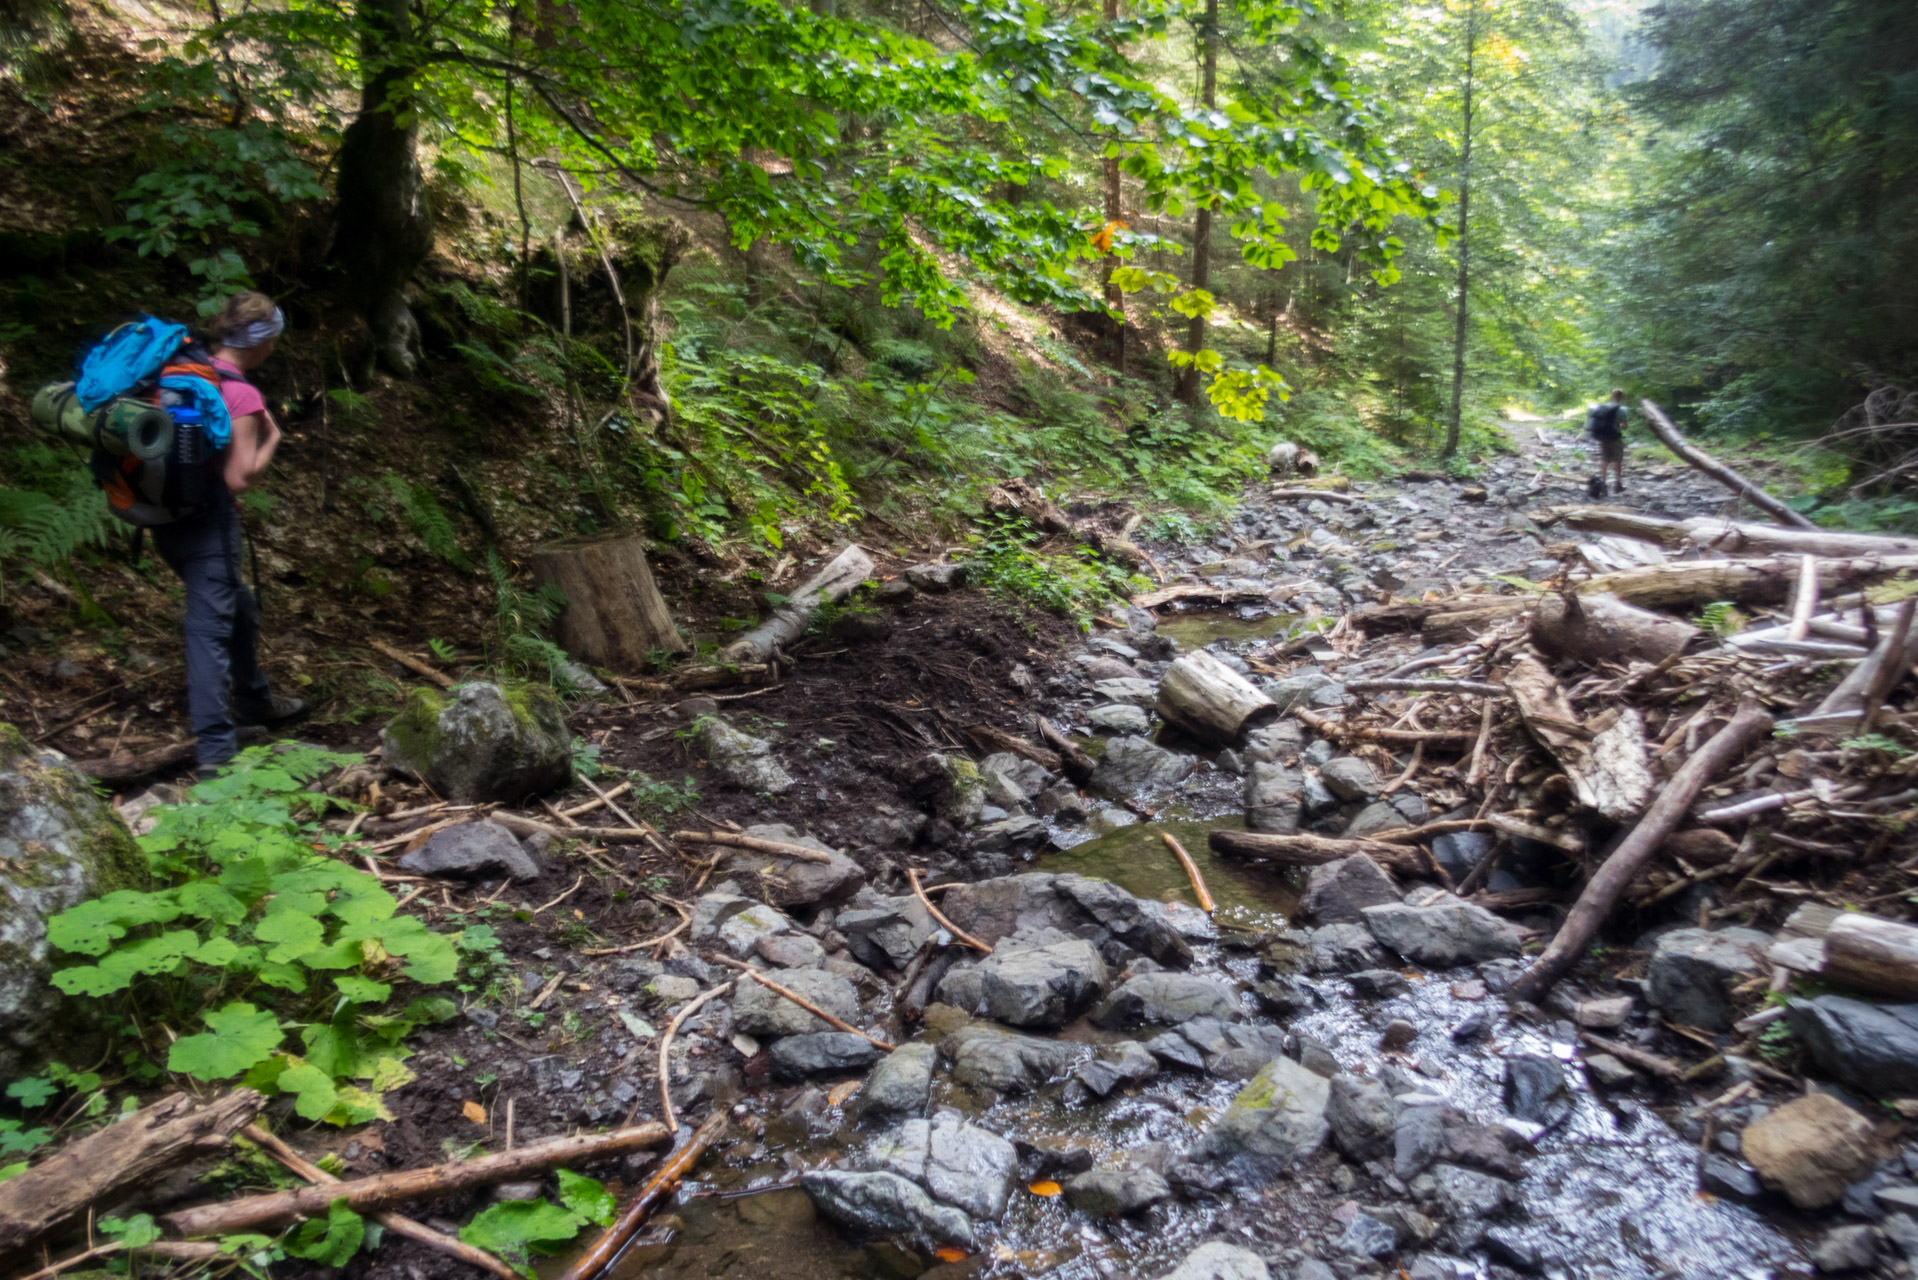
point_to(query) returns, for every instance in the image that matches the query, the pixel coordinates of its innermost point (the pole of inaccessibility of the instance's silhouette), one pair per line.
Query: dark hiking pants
(222, 626)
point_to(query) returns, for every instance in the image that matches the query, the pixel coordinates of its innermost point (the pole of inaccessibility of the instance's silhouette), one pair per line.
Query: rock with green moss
(1276, 1119)
(741, 759)
(950, 785)
(60, 845)
(482, 741)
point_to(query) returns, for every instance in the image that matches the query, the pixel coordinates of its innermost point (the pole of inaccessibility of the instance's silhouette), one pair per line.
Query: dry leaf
(946, 1253)
(475, 1112)
(1044, 1187)
(842, 1091)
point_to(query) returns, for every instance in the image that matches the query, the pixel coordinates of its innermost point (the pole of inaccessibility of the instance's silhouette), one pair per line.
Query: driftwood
(1662, 428)
(415, 665)
(1844, 706)
(1343, 731)
(989, 739)
(1211, 701)
(1204, 895)
(1804, 601)
(1200, 591)
(1019, 498)
(1327, 494)
(521, 826)
(912, 878)
(1387, 685)
(126, 768)
(834, 582)
(1887, 676)
(1453, 627)
(1601, 627)
(1302, 850)
(1664, 1068)
(1605, 762)
(367, 1195)
(398, 1224)
(614, 615)
(1073, 762)
(665, 1047)
(1872, 954)
(600, 1254)
(1712, 533)
(778, 848)
(1617, 872)
(152, 1140)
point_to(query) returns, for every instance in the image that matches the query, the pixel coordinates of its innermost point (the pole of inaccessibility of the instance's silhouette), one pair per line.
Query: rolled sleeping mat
(125, 426)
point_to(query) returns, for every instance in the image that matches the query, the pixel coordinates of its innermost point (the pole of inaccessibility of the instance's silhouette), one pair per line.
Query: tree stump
(614, 616)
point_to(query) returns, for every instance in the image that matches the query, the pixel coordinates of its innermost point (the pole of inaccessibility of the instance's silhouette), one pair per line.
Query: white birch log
(1211, 701)
(789, 621)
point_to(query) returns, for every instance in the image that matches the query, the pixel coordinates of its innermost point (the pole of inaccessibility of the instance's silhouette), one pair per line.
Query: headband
(255, 334)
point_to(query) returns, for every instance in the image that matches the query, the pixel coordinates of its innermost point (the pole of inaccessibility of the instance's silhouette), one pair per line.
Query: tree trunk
(1667, 433)
(1464, 235)
(1202, 223)
(1731, 537)
(1873, 954)
(382, 227)
(834, 582)
(1115, 212)
(1602, 627)
(614, 616)
(154, 1139)
(1211, 701)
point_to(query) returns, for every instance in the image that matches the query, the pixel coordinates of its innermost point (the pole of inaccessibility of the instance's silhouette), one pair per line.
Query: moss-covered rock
(741, 759)
(482, 741)
(59, 846)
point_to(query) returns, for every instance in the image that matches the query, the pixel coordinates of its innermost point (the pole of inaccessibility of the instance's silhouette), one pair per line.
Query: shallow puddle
(1137, 860)
(1197, 630)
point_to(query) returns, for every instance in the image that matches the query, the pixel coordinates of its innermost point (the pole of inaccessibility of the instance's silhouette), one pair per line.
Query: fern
(53, 532)
(428, 519)
(521, 615)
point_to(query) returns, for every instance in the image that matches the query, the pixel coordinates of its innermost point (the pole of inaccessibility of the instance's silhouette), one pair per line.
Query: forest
(854, 638)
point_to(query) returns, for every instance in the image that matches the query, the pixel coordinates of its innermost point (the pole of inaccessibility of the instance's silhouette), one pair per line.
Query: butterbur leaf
(514, 1229)
(333, 1242)
(90, 928)
(357, 1106)
(292, 933)
(316, 1096)
(363, 990)
(265, 1076)
(389, 1074)
(209, 901)
(588, 1197)
(287, 977)
(132, 1232)
(33, 1091)
(240, 1037)
(218, 952)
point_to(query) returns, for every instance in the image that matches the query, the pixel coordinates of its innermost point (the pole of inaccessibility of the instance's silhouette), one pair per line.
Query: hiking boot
(1618, 488)
(275, 710)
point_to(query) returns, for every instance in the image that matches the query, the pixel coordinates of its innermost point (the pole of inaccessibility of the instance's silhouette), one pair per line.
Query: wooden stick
(1366, 733)
(90, 1169)
(1605, 888)
(164, 1250)
(412, 664)
(392, 1221)
(1328, 494)
(1073, 762)
(1386, 684)
(606, 798)
(1662, 428)
(1888, 674)
(1762, 804)
(520, 825)
(1443, 827)
(366, 1195)
(1664, 1068)
(912, 878)
(666, 1043)
(1805, 601)
(1411, 770)
(562, 897)
(599, 799)
(1206, 904)
(1477, 770)
(602, 1251)
(804, 1003)
(778, 848)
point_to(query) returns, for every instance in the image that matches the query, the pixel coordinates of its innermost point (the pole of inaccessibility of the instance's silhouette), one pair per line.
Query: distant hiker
(1605, 423)
(222, 616)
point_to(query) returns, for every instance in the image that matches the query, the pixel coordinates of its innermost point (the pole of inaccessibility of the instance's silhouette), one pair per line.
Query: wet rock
(1044, 986)
(889, 829)
(1378, 816)
(1723, 1176)
(744, 930)
(1105, 821)
(1693, 971)
(936, 578)
(790, 882)
(1278, 741)
(1317, 801)
(1447, 931)
(1378, 984)
(1535, 1088)
(1133, 691)
(1313, 1269)
(1418, 1138)
(948, 785)
(482, 741)
(986, 1057)
(1134, 766)
(1842, 1249)
(1398, 1035)
(1011, 835)
(757, 1011)
(1124, 1062)
(1297, 690)
(1467, 1194)
(888, 934)
(1493, 1148)
(1608, 1072)
(1175, 1050)
(1602, 1014)
(1367, 1237)
(791, 951)
(1460, 852)
(996, 908)
(1363, 1117)
(1120, 718)
(1282, 996)
(959, 1163)
(1062, 802)
(1218, 1261)
(1810, 1149)
(1476, 1026)
(1113, 1192)
(1343, 948)
(901, 1083)
(472, 850)
(1277, 1118)
(1026, 778)
(822, 1053)
(1274, 797)
(1510, 1247)
(1166, 999)
(962, 987)
(1350, 778)
(1338, 892)
(1107, 667)
(888, 1205)
(1871, 1047)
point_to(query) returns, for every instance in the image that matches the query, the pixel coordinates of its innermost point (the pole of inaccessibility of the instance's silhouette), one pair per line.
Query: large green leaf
(317, 1096)
(292, 934)
(515, 1228)
(239, 1037)
(333, 1242)
(588, 1197)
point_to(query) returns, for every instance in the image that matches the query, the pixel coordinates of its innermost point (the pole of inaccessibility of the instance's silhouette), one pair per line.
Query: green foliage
(253, 936)
(1775, 1042)
(330, 1241)
(53, 531)
(1877, 742)
(427, 518)
(520, 616)
(1721, 618)
(1074, 584)
(517, 1229)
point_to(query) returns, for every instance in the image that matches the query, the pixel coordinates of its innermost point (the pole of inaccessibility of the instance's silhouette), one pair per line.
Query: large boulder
(1273, 797)
(1277, 1118)
(740, 758)
(469, 850)
(960, 1164)
(1342, 948)
(1810, 1149)
(1123, 1062)
(1338, 892)
(1363, 1116)
(987, 1058)
(820, 1053)
(760, 1011)
(888, 934)
(1134, 766)
(1166, 999)
(1871, 1047)
(886, 1204)
(1445, 930)
(901, 1083)
(1079, 905)
(1693, 971)
(59, 846)
(1041, 986)
(482, 741)
(1116, 1192)
(792, 882)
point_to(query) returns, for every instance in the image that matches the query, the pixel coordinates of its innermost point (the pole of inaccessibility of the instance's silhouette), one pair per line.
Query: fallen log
(1602, 628)
(143, 764)
(1328, 495)
(91, 1169)
(366, 1195)
(1387, 685)
(1872, 954)
(1713, 533)
(1844, 706)
(1211, 701)
(600, 1254)
(1687, 584)
(1200, 591)
(1302, 850)
(1617, 872)
(1409, 615)
(1454, 627)
(789, 621)
(1605, 762)
(1668, 434)
(1345, 731)
(778, 848)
